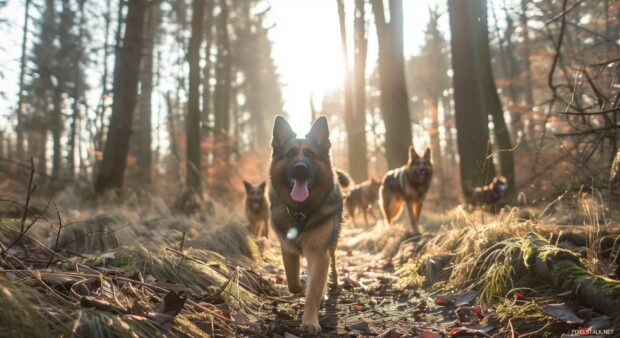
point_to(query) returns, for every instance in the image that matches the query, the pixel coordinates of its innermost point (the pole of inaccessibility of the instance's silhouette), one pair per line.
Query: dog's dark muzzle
(421, 173)
(301, 171)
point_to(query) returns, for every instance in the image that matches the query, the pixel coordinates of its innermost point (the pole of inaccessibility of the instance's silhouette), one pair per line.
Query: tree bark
(206, 76)
(394, 98)
(22, 76)
(348, 95)
(438, 157)
(193, 166)
(492, 101)
(358, 157)
(529, 95)
(56, 126)
(125, 96)
(145, 128)
(223, 74)
(78, 92)
(471, 121)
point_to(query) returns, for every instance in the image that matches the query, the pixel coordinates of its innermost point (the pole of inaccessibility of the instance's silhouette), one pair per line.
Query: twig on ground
(57, 237)
(23, 228)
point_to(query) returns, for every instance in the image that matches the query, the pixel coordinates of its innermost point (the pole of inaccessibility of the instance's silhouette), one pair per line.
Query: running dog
(306, 210)
(257, 208)
(363, 197)
(407, 186)
(489, 194)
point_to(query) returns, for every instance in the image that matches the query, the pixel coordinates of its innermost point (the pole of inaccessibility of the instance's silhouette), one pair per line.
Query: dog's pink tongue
(300, 191)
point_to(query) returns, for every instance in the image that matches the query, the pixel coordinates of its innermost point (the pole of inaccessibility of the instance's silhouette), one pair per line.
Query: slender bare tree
(126, 78)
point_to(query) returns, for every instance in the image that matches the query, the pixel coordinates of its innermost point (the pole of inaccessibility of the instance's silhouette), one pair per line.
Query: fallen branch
(564, 269)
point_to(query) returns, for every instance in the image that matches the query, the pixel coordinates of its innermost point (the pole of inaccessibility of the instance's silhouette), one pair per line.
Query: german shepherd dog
(362, 197)
(306, 210)
(407, 185)
(489, 194)
(257, 208)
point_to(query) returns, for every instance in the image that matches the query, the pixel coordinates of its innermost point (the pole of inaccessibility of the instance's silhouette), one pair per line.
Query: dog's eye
(309, 153)
(291, 153)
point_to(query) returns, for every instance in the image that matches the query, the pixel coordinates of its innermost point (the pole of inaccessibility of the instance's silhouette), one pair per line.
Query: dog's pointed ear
(247, 186)
(427, 154)
(412, 154)
(262, 186)
(282, 132)
(319, 133)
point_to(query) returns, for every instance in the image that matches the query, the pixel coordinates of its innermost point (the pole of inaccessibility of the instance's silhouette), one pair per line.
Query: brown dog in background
(306, 210)
(257, 208)
(363, 197)
(489, 194)
(407, 186)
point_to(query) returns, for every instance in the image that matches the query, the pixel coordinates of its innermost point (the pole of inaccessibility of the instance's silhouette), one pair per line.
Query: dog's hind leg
(334, 269)
(392, 208)
(291, 268)
(351, 212)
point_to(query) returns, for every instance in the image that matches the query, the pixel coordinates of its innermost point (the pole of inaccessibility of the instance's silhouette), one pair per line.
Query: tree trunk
(348, 92)
(56, 126)
(529, 95)
(358, 156)
(125, 96)
(471, 121)
(492, 101)
(222, 88)
(78, 92)
(145, 109)
(394, 98)
(438, 156)
(206, 76)
(193, 179)
(22, 76)
(99, 122)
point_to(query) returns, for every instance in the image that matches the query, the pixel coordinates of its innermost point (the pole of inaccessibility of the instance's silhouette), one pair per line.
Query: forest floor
(135, 269)
(367, 303)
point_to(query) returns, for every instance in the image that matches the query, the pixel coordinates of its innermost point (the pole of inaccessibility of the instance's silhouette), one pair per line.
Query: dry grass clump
(21, 312)
(467, 240)
(382, 239)
(99, 324)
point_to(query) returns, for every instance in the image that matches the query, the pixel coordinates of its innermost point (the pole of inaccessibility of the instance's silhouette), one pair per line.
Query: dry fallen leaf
(562, 312)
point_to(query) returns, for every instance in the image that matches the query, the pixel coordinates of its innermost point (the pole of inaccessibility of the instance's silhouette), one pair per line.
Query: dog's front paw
(310, 327)
(295, 289)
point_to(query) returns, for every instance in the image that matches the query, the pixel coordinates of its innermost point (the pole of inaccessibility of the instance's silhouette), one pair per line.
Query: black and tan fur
(489, 194)
(362, 197)
(407, 186)
(318, 217)
(257, 208)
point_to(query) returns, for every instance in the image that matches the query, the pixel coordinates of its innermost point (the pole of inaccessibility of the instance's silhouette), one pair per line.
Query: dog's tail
(344, 179)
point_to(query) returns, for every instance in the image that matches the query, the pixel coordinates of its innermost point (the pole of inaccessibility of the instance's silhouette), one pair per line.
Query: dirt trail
(367, 302)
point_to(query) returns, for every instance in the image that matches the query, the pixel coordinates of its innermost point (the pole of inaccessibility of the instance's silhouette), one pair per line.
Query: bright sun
(308, 54)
